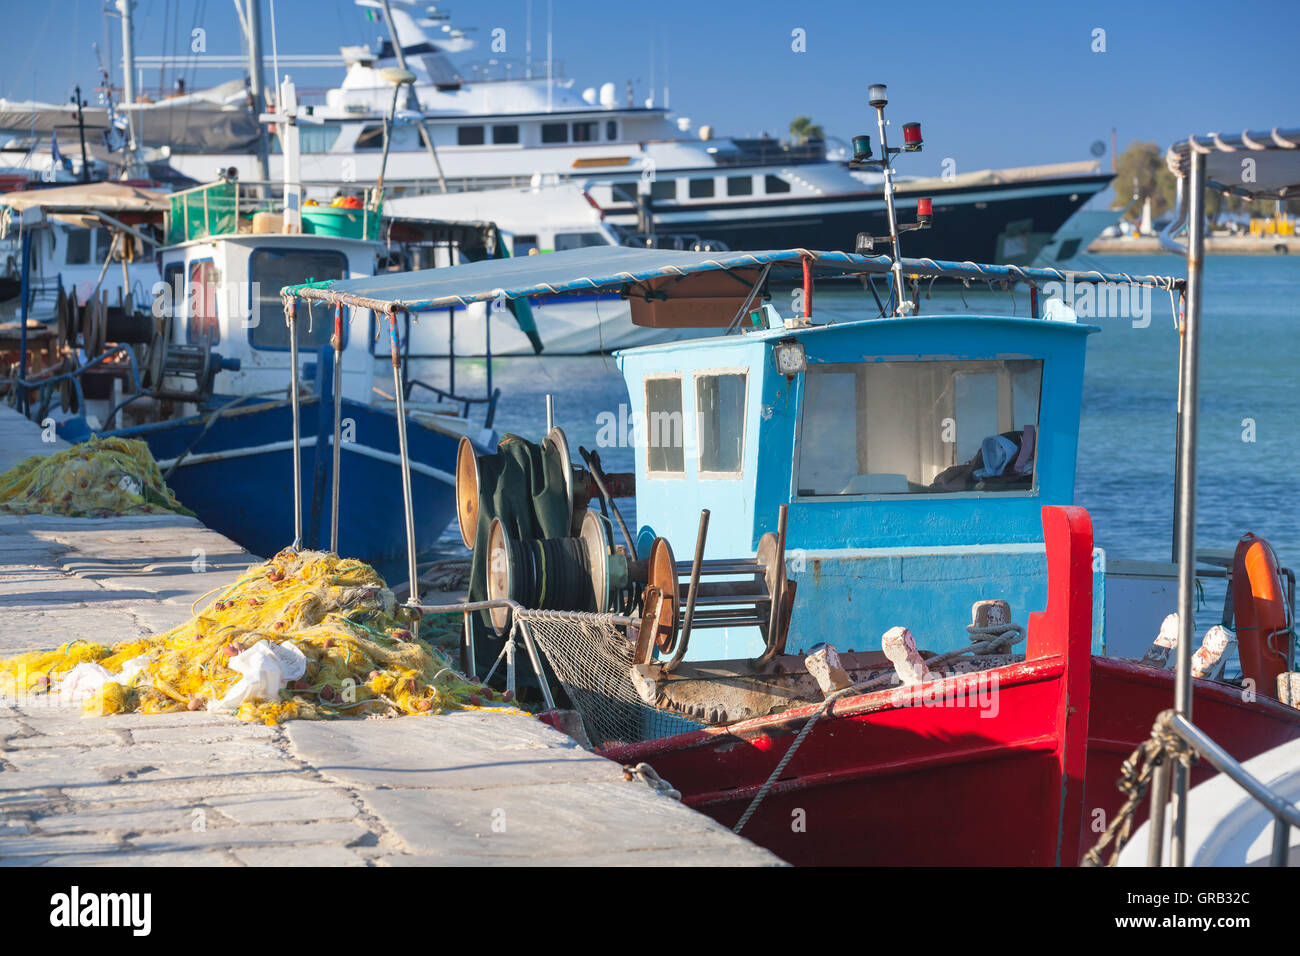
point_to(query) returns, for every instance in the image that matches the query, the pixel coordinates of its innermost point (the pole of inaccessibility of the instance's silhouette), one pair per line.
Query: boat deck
(206, 789)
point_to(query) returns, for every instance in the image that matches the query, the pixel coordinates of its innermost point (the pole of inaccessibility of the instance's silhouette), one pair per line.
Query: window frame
(664, 475)
(739, 473)
(468, 127)
(796, 495)
(187, 270)
(255, 307)
(506, 142)
(737, 179)
(712, 184)
(768, 179)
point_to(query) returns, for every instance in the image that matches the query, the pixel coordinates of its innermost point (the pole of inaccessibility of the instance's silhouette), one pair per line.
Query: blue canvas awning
(614, 268)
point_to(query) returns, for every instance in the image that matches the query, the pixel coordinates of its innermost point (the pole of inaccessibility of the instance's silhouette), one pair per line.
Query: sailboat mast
(128, 70)
(257, 82)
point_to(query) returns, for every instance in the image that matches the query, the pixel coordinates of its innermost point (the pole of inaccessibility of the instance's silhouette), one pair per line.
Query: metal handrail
(1285, 813)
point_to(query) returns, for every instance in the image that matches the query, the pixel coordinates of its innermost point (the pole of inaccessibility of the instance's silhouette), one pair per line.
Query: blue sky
(994, 84)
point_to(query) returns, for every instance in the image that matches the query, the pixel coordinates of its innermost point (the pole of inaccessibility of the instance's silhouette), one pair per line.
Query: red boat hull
(1013, 766)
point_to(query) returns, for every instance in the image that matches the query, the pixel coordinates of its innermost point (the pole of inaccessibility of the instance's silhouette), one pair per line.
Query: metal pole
(1156, 829)
(128, 71)
(257, 86)
(291, 316)
(388, 135)
(24, 291)
(407, 499)
(886, 166)
(1187, 485)
(550, 411)
(338, 427)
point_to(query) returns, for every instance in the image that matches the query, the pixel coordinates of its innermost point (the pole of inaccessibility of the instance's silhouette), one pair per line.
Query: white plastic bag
(266, 668)
(83, 681)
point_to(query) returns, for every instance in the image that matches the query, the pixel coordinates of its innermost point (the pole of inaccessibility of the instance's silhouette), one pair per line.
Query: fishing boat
(211, 379)
(853, 494)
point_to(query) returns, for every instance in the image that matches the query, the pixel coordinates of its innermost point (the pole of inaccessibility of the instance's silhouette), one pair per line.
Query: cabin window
(523, 245)
(701, 188)
(313, 138)
(578, 240)
(201, 321)
(585, 132)
(269, 271)
(371, 137)
(664, 189)
(78, 246)
(720, 423)
(740, 185)
(103, 243)
(919, 427)
(555, 132)
(506, 134)
(611, 129)
(622, 192)
(469, 135)
(664, 437)
(775, 184)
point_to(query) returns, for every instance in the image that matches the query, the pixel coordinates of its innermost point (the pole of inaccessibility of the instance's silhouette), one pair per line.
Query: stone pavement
(206, 789)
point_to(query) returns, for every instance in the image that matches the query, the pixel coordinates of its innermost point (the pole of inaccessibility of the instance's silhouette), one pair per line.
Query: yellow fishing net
(361, 655)
(96, 478)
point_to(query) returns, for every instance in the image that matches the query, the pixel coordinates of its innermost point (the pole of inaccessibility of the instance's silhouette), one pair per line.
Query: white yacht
(461, 128)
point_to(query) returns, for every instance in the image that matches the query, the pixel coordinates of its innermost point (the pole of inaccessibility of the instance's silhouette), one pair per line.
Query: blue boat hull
(238, 478)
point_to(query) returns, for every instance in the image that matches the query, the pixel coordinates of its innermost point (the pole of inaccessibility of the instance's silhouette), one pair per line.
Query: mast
(128, 70)
(251, 16)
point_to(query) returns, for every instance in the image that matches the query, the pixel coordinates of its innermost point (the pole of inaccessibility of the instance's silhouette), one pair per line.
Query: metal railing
(1285, 814)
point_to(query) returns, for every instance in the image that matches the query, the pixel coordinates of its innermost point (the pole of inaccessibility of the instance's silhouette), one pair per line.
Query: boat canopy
(84, 197)
(1273, 170)
(653, 274)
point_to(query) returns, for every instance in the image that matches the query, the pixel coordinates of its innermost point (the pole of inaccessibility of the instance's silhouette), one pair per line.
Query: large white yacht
(466, 128)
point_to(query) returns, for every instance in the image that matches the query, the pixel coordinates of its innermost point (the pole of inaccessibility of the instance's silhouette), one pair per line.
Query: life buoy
(1259, 606)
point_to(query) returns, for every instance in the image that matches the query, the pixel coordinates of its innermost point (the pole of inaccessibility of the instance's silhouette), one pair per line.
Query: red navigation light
(924, 210)
(911, 136)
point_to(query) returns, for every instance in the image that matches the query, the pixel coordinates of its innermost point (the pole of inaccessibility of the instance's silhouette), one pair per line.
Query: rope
(652, 779)
(1134, 781)
(1004, 639)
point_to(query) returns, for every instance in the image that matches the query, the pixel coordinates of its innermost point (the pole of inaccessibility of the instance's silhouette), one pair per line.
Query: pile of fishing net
(304, 635)
(96, 478)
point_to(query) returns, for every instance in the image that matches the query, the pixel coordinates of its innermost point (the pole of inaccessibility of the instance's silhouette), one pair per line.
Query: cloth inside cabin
(1004, 461)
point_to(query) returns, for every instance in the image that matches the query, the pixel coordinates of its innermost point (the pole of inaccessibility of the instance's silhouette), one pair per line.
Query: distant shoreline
(1215, 245)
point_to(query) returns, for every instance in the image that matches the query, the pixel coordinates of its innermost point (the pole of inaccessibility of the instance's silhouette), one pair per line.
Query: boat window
(103, 243)
(313, 138)
(920, 427)
(578, 240)
(701, 188)
(664, 189)
(623, 192)
(505, 134)
(611, 129)
(271, 270)
(201, 322)
(78, 246)
(664, 438)
(523, 245)
(555, 132)
(469, 135)
(371, 137)
(740, 185)
(720, 423)
(775, 184)
(585, 132)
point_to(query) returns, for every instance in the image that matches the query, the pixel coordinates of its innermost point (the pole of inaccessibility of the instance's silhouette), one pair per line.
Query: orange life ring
(1259, 606)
